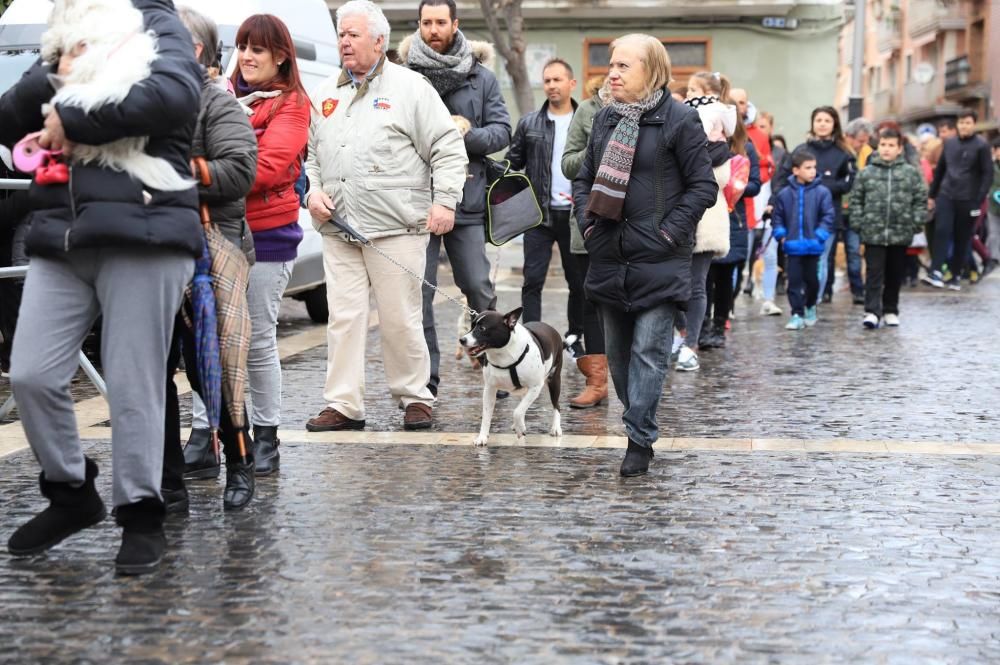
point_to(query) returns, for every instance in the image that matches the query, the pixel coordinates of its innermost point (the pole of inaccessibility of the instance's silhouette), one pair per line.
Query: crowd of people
(660, 200)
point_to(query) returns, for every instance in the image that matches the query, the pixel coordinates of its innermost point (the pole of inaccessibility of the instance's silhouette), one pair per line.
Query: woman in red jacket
(268, 85)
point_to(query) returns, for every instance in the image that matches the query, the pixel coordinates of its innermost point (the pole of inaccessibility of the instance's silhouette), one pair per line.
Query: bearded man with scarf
(461, 72)
(645, 182)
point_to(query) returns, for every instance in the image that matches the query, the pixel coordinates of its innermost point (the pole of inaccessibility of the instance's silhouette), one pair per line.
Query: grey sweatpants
(138, 292)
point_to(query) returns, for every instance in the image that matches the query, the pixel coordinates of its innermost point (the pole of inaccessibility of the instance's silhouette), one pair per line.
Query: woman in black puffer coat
(226, 141)
(835, 165)
(638, 201)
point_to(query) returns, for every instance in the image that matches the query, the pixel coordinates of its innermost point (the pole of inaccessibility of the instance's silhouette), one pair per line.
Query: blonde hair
(654, 58)
(593, 85)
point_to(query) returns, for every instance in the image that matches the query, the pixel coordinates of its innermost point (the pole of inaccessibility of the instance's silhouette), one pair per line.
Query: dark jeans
(953, 223)
(692, 320)
(173, 453)
(593, 330)
(537, 255)
(803, 282)
(885, 267)
(852, 248)
(470, 267)
(720, 277)
(638, 345)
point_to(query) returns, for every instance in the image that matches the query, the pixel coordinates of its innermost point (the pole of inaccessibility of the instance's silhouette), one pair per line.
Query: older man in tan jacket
(379, 132)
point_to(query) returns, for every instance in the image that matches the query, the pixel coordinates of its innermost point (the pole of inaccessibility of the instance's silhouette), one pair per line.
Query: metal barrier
(13, 183)
(85, 364)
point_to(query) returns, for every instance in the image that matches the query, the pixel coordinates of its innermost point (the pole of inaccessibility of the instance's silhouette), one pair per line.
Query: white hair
(378, 25)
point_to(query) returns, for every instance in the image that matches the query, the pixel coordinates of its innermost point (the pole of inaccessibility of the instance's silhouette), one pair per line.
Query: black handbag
(511, 205)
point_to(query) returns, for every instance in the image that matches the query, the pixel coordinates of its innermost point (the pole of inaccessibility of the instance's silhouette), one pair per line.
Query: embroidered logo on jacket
(381, 104)
(329, 106)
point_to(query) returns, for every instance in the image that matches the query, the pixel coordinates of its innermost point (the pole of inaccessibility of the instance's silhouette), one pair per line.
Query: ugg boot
(200, 459)
(143, 541)
(636, 462)
(266, 456)
(71, 509)
(595, 368)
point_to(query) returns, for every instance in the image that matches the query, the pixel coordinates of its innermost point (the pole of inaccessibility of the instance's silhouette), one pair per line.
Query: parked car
(315, 35)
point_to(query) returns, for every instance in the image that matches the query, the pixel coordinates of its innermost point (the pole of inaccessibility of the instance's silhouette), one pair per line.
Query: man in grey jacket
(460, 71)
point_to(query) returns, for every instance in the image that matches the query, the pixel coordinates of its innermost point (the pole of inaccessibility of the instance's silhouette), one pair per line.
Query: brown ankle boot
(595, 368)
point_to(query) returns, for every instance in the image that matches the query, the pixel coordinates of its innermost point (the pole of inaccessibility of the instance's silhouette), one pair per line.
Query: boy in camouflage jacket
(887, 208)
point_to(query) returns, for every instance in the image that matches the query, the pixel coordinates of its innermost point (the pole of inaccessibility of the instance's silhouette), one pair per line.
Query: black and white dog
(519, 358)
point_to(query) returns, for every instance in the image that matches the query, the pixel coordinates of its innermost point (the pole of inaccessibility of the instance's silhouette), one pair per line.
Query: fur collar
(483, 52)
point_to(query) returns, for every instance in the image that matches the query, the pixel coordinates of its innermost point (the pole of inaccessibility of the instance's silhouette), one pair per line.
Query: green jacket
(573, 154)
(578, 136)
(888, 202)
(994, 204)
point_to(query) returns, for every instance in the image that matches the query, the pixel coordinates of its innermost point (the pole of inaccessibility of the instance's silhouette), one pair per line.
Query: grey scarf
(446, 71)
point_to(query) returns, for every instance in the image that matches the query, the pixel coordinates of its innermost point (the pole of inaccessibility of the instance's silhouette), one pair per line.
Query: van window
(13, 64)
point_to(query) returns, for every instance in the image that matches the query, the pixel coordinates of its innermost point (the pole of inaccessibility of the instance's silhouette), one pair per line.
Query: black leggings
(720, 290)
(173, 453)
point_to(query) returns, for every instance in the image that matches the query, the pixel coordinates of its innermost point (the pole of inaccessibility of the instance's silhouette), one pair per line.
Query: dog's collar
(513, 368)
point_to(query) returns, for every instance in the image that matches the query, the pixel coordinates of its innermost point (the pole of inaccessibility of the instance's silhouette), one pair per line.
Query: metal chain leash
(368, 243)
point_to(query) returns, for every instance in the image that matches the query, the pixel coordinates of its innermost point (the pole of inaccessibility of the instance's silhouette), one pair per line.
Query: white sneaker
(678, 343)
(770, 309)
(870, 321)
(687, 360)
(891, 320)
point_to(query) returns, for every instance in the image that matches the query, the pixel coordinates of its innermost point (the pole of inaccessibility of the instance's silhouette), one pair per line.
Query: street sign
(780, 22)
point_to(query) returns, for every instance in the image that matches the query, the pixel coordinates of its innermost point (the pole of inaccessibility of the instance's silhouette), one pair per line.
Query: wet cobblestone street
(386, 547)
(373, 554)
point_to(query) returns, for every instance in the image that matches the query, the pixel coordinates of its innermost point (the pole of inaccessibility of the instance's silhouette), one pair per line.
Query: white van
(312, 28)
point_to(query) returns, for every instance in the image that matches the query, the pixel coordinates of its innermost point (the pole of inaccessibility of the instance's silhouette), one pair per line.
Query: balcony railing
(921, 95)
(957, 73)
(890, 36)
(925, 16)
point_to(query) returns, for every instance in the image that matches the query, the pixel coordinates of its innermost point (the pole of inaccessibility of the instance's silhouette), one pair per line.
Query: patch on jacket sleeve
(329, 106)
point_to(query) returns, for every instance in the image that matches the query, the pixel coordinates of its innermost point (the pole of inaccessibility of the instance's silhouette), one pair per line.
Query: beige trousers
(353, 274)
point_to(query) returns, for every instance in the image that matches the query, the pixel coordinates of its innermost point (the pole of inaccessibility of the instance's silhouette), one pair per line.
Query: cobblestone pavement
(371, 554)
(377, 553)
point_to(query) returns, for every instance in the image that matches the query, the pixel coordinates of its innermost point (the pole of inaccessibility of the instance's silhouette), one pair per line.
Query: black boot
(176, 501)
(239, 485)
(266, 456)
(143, 542)
(200, 459)
(71, 509)
(636, 461)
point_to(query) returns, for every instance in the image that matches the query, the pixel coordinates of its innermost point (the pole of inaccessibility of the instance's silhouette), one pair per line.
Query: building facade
(925, 60)
(783, 51)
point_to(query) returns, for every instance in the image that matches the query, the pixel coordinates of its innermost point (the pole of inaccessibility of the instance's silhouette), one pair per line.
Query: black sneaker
(955, 284)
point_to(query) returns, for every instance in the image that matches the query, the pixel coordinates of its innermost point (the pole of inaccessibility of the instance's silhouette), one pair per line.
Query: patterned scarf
(607, 196)
(445, 71)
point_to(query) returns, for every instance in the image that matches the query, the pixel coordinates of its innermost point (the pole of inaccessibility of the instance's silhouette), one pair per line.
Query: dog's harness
(513, 368)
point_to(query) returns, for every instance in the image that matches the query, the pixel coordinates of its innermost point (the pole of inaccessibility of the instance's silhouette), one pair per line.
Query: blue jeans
(852, 246)
(638, 350)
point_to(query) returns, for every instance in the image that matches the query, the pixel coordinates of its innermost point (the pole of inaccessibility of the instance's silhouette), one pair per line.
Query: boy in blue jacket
(803, 220)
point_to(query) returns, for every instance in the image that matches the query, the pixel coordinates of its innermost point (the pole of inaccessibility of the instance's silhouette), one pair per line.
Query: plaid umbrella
(230, 274)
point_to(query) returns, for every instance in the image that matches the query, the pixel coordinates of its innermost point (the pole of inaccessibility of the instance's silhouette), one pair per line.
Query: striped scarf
(607, 196)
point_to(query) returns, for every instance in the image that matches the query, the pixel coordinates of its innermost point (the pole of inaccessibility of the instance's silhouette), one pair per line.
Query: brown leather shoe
(331, 420)
(417, 416)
